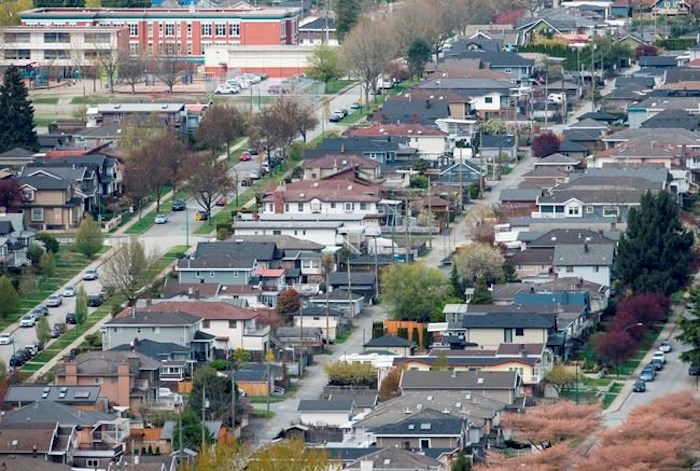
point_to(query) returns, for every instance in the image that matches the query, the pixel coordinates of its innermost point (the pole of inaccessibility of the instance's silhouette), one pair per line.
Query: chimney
(134, 344)
(415, 118)
(196, 293)
(342, 147)
(585, 247)
(279, 202)
(427, 103)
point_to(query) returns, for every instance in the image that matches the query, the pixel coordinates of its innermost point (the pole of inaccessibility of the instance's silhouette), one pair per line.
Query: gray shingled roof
(140, 318)
(524, 319)
(459, 380)
(427, 423)
(313, 405)
(42, 412)
(228, 255)
(388, 341)
(569, 236)
(27, 393)
(584, 255)
(387, 459)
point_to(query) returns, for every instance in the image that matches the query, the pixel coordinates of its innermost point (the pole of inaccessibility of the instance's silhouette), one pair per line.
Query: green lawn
(264, 399)
(45, 100)
(143, 225)
(335, 86)
(262, 413)
(90, 100)
(43, 122)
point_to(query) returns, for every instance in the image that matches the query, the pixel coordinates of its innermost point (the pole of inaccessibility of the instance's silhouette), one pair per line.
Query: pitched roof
(387, 341)
(496, 141)
(658, 61)
(51, 412)
(140, 317)
(524, 320)
(27, 393)
(398, 130)
(387, 459)
(152, 349)
(361, 397)
(520, 195)
(427, 422)
(458, 380)
(339, 161)
(533, 257)
(569, 236)
(106, 363)
(588, 123)
(519, 348)
(556, 159)
(468, 361)
(313, 405)
(222, 255)
(340, 278)
(44, 182)
(583, 255)
(331, 190)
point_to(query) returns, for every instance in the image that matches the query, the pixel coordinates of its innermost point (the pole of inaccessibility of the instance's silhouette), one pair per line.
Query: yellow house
(490, 330)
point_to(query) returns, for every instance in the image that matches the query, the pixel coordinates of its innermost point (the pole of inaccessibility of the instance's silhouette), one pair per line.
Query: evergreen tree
(689, 326)
(654, 253)
(81, 305)
(462, 463)
(10, 299)
(481, 295)
(16, 114)
(456, 283)
(347, 12)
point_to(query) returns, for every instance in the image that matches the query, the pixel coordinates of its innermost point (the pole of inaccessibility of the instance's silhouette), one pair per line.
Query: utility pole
(430, 214)
(180, 433)
(352, 308)
(204, 409)
(301, 336)
(233, 399)
(546, 98)
(593, 77)
(376, 270)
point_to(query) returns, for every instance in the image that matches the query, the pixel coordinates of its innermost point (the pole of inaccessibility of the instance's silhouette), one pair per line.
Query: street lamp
(617, 363)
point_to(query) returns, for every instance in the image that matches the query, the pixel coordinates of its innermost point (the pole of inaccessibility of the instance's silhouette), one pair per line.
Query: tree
(106, 62)
(81, 305)
(323, 64)
(480, 221)
(218, 394)
(89, 237)
(49, 241)
(47, 264)
(28, 284)
(417, 55)
(479, 261)
(17, 123)
(647, 308)
(418, 181)
(220, 126)
(492, 126)
(138, 130)
(615, 346)
(191, 430)
(430, 21)
(208, 178)
(226, 455)
(59, 3)
(169, 68)
(174, 156)
(131, 69)
(34, 253)
(288, 303)
(10, 193)
(10, 299)
(545, 144)
(351, 374)
(9, 11)
(689, 325)
(413, 290)
(43, 330)
(645, 50)
(482, 294)
(390, 386)
(442, 363)
(461, 463)
(347, 13)
(367, 52)
(300, 114)
(128, 269)
(654, 253)
(560, 378)
(457, 285)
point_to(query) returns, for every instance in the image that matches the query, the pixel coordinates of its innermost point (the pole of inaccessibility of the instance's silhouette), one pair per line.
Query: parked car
(201, 215)
(106, 291)
(639, 386)
(253, 151)
(54, 300)
(40, 310)
(336, 117)
(665, 346)
(36, 314)
(70, 318)
(658, 364)
(160, 219)
(659, 355)
(179, 204)
(27, 320)
(694, 369)
(18, 359)
(68, 291)
(355, 105)
(220, 201)
(254, 175)
(647, 374)
(6, 338)
(90, 274)
(226, 89)
(245, 156)
(32, 349)
(58, 329)
(94, 300)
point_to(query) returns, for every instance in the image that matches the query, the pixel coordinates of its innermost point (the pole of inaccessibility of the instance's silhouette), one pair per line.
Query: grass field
(45, 100)
(334, 86)
(90, 100)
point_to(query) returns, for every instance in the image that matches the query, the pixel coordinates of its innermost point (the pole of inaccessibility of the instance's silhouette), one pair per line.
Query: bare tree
(219, 127)
(129, 268)
(173, 157)
(107, 61)
(138, 183)
(300, 113)
(208, 178)
(367, 52)
(168, 67)
(131, 69)
(433, 21)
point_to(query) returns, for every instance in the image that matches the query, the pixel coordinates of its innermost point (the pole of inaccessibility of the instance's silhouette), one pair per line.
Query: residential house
(394, 459)
(86, 397)
(127, 379)
(673, 136)
(423, 430)
(515, 325)
(430, 141)
(396, 345)
(329, 320)
(503, 386)
(532, 263)
(14, 240)
(107, 168)
(258, 379)
(322, 229)
(597, 295)
(172, 326)
(170, 114)
(331, 164)
(363, 283)
(348, 303)
(215, 429)
(60, 434)
(554, 237)
(230, 263)
(558, 161)
(414, 108)
(592, 262)
(50, 202)
(496, 146)
(83, 178)
(573, 149)
(384, 150)
(515, 65)
(675, 119)
(320, 413)
(17, 157)
(487, 97)
(364, 400)
(92, 137)
(588, 139)
(672, 7)
(305, 337)
(176, 362)
(232, 327)
(544, 178)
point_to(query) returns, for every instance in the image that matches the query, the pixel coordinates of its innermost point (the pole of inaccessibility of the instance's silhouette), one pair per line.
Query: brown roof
(533, 257)
(518, 348)
(27, 437)
(211, 310)
(398, 130)
(335, 190)
(546, 172)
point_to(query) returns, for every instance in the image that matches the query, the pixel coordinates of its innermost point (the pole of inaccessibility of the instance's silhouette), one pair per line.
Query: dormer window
(27, 194)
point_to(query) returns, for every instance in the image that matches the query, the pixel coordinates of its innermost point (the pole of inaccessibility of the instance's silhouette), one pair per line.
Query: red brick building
(180, 31)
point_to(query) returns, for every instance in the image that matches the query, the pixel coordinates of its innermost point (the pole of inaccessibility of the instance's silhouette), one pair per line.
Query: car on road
(179, 204)
(94, 300)
(160, 219)
(40, 310)
(665, 346)
(253, 151)
(639, 386)
(27, 320)
(90, 274)
(336, 117)
(658, 364)
(648, 374)
(220, 201)
(201, 215)
(68, 291)
(694, 369)
(54, 300)
(226, 90)
(18, 359)
(660, 356)
(32, 348)
(6, 338)
(37, 313)
(70, 318)
(246, 156)
(254, 175)
(356, 105)
(58, 329)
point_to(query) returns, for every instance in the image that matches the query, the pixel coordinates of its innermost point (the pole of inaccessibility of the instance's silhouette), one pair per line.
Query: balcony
(257, 332)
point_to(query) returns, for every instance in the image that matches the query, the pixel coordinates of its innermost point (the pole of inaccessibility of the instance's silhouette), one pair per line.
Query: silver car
(54, 300)
(161, 219)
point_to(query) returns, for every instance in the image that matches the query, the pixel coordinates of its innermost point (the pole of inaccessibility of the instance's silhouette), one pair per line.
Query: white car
(27, 320)
(68, 291)
(6, 338)
(90, 274)
(225, 90)
(160, 219)
(54, 300)
(665, 346)
(659, 355)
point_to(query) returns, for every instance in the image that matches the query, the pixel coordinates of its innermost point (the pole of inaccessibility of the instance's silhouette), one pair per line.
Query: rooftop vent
(480, 380)
(426, 426)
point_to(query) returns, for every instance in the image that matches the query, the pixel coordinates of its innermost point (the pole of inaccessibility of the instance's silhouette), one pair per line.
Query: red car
(245, 156)
(220, 201)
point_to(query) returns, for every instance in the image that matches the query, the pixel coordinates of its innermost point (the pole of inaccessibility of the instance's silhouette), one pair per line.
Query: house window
(508, 335)
(170, 29)
(220, 29)
(332, 205)
(206, 30)
(234, 29)
(574, 211)
(519, 331)
(133, 30)
(37, 214)
(27, 193)
(277, 232)
(589, 209)
(212, 274)
(300, 207)
(424, 443)
(349, 206)
(611, 212)
(569, 269)
(286, 207)
(363, 206)
(196, 274)
(155, 330)
(92, 463)
(133, 49)
(232, 324)
(206, 323)
(488, 99)
(596, 269)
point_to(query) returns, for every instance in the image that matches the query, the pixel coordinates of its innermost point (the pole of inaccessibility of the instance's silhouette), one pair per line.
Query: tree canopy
(479, 260)
(347, 12)
(689, 325)
(323, 64)
(89, 237)
(654, 253)
(17, 112)
(413, 290)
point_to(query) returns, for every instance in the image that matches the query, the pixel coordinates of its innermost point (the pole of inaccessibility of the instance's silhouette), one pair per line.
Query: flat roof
(148, 13)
